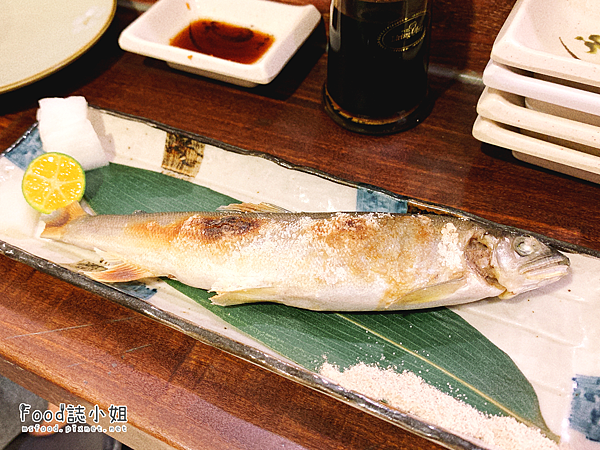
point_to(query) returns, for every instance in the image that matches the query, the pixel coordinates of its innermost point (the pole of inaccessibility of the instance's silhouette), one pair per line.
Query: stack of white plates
(542, 87)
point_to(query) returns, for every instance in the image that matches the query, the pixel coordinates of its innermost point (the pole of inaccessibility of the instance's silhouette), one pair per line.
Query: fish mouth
(534, 265)
(546, 267)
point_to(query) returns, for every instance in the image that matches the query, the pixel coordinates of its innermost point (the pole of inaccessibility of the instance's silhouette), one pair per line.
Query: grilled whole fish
(318, 261)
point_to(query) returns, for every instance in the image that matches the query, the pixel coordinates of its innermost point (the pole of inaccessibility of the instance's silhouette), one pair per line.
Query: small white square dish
(548, 90)
(534, 149)
(561, 111)
(511, 110)
(289, 25)
(552, 37)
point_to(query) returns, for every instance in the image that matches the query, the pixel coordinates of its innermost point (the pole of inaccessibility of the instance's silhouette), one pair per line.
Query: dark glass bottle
(378, 56)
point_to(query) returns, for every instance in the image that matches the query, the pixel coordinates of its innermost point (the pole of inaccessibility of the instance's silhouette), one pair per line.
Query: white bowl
(548, 90)
(290, 25)
(541, 36)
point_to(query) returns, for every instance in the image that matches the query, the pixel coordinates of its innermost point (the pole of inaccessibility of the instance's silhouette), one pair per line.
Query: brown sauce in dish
(223, 40)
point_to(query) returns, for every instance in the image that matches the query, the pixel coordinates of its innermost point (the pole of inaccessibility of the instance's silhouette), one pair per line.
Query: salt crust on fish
(343, 261)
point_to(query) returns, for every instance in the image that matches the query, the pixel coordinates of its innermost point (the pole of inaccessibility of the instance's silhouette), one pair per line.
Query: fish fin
(240, 296)
(430, 294)
(241, 290)
(506, 294)
(120, 273)
(55, 222)
(252, 208)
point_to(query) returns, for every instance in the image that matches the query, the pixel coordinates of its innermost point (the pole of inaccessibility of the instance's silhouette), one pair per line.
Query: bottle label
(404, 34)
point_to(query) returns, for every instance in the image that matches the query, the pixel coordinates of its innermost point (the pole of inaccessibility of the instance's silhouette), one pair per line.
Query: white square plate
(511, 110)
(548, 90)
(535, 150)
(542, 36)
(560, 111)
(290, 25)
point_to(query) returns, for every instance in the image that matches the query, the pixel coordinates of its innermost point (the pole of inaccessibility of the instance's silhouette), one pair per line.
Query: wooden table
(69, 345)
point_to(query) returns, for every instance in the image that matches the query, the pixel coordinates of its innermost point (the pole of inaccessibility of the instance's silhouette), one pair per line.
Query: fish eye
(524, 246)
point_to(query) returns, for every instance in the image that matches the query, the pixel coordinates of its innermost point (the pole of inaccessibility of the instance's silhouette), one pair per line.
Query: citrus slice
(53, 181)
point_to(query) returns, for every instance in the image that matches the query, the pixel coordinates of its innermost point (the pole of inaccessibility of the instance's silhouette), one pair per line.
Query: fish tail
(56, 223)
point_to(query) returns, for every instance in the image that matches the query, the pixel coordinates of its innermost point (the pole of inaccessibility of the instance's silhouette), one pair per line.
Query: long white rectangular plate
(255, 177)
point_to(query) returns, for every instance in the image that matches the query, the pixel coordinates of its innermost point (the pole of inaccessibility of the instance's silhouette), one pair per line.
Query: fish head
(521, 263)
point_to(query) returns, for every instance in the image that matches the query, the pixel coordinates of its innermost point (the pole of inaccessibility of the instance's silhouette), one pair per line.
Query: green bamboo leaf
(437, 344)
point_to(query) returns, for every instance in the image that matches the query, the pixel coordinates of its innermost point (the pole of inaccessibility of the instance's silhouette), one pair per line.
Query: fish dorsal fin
(252, 208)
(120, 273)
(427, 295)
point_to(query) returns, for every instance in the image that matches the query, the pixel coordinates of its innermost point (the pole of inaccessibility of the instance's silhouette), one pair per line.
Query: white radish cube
(57, 112)
(17, 217)
(65, 128)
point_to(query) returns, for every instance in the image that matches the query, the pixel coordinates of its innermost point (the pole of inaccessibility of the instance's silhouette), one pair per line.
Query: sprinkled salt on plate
(409, 393)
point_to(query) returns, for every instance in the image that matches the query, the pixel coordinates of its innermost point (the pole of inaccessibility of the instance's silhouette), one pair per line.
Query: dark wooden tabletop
(67, 344)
